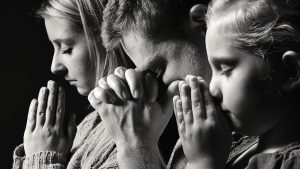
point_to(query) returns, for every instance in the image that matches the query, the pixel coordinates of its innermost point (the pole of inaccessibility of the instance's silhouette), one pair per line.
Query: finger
(93, 101)
(71, 128)
(42, 104)
(210, 108)
(175, 99)
(51, 105)
(99, 95)
(196, 98)
(60, 110)
(151, 88)
(187, 79)
(185, 95)
(120, 72)
(118, 86)
(135, 83)
(180, 119)
(31, 119)
(103, 83)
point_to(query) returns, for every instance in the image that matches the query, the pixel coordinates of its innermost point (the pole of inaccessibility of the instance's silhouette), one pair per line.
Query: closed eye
(224, 65)
(67, 51)
(225, 70)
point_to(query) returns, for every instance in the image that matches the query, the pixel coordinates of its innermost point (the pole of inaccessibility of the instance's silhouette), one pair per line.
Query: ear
(291, 61)
(197, 18)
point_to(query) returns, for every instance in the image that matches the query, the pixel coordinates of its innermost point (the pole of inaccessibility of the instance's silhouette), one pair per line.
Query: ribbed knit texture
(92, 148)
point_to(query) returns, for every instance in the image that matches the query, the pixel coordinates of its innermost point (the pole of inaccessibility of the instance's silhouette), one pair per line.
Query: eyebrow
(223, 59)
(67, 41)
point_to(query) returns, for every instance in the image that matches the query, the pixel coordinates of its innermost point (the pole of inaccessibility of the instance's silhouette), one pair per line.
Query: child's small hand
(204, 133)
(45, 129)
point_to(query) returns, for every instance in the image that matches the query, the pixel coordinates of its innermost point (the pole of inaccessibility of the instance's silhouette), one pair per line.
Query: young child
(253, 49)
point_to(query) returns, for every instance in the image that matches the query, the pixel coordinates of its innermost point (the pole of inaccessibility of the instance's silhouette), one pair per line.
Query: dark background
(25, 63)
(26, 56)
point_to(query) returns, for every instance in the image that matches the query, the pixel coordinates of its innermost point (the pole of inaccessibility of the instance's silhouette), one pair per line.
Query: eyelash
(226, 71)
(68, 51)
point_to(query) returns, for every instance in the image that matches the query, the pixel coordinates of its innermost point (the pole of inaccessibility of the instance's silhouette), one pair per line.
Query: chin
(83, 92)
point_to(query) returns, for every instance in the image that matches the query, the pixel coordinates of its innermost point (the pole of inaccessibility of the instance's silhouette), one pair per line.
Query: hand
(126, 101)
(44, 129)
(204, 132)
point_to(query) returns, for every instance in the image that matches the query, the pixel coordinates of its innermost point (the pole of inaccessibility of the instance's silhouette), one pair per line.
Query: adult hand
(44, 129)
(126, 101)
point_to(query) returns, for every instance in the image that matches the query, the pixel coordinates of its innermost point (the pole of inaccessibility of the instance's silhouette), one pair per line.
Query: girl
(74, 28)
(253, 49)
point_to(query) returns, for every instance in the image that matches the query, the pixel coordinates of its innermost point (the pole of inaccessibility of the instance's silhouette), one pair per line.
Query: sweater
(92, 148)
(287, 157)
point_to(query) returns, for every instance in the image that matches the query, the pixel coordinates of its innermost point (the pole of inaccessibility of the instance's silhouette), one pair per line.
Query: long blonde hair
(87, 14)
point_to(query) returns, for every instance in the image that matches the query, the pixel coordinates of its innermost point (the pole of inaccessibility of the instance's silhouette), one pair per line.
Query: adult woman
(73, 27)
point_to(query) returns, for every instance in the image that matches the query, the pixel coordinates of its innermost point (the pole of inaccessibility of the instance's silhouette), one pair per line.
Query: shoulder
(239, 146)
(287, 157)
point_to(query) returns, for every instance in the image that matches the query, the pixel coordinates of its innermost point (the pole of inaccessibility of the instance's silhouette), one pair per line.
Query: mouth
(71, 81)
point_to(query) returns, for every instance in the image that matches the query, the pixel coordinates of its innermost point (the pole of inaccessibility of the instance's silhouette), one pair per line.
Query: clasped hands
(127, 103)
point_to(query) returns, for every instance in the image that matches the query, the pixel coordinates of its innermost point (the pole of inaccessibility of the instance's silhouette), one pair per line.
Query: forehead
(137, 45)
(217, 41)
(60, 28)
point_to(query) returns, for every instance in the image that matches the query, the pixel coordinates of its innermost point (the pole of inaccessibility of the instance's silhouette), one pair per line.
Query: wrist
(138, 156)
(205, 164)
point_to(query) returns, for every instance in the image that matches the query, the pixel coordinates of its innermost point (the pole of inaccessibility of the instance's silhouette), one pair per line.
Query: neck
(283, 133)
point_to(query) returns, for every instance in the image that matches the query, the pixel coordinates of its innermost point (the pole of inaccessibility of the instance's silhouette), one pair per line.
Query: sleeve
(275, 161)
(177, 159)
(41, 160)
(18, 157)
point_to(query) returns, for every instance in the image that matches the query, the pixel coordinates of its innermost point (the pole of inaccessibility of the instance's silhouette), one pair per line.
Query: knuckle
(102, 80)
(119, 70)
(47, 132)
(211, 123)
(41, 113)
(197, 104)
(59, 111)
(50, 108)
(110, 77)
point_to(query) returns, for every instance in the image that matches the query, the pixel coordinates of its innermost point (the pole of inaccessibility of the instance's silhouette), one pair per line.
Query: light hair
(265, 28)
(87, 14)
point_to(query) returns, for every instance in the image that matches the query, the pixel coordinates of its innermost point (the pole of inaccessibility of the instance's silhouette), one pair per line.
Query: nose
(57, 65)
(214, 89)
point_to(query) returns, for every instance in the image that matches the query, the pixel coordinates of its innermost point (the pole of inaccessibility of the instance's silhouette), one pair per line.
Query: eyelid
(67, 51)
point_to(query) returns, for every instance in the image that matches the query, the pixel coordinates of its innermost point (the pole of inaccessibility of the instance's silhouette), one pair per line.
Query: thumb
(93, 100)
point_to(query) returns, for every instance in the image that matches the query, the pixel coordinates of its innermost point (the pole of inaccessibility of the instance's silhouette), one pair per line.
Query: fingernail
(124, 95)
(136, 94)
(193, 81)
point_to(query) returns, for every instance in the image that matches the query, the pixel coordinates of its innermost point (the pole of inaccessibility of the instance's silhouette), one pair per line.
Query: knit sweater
(92, 148)
(286, 158)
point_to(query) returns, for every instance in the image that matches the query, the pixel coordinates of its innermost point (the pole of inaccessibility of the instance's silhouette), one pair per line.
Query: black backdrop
(25, 59)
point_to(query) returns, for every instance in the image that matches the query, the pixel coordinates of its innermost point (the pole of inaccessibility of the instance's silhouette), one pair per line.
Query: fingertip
(103, 83)
(33, 101)
(97, 93)
(120, 71)
(175, 98)
(187, 78)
